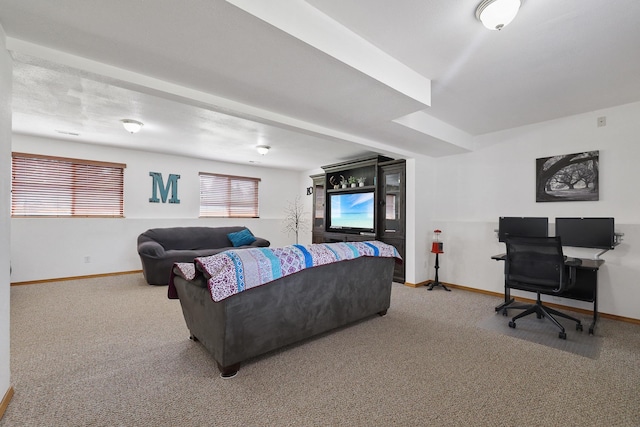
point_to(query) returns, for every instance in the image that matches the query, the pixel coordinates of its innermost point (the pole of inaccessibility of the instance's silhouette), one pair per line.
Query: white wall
(420, 194)
(498, 179)
(45, 248)
(5, 186)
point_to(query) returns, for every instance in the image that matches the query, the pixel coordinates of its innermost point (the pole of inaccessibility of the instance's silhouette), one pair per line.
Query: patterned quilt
(234, 271)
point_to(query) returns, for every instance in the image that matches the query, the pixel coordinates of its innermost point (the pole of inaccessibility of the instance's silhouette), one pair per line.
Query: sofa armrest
(151, 249)
(261, 243)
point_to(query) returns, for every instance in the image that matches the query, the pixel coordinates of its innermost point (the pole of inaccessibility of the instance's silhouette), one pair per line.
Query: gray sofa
(159, 248)
(285, 311)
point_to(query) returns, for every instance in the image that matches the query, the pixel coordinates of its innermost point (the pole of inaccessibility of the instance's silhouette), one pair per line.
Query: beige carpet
(115, 352)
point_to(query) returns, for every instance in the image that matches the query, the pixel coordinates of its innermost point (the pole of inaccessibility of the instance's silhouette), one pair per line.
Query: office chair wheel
(579, 327)
(504, 312)
(562, 335)
(512, 324)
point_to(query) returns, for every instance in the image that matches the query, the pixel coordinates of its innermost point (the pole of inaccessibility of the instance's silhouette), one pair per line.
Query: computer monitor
(522, 227)
(586, 232)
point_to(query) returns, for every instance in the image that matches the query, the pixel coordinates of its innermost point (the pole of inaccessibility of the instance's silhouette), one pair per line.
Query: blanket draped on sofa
(234, 271)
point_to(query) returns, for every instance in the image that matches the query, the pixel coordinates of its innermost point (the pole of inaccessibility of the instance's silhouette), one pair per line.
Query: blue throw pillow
(241, 238)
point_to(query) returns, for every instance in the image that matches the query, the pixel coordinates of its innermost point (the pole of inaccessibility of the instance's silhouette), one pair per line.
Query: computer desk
(585, 288)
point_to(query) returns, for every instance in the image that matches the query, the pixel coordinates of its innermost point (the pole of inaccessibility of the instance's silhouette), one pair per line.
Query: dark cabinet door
(317, 214)
(398, 270)
(392, 202)
(391, 214)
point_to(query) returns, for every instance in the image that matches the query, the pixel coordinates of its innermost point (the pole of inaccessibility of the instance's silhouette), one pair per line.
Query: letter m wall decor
(158, 185)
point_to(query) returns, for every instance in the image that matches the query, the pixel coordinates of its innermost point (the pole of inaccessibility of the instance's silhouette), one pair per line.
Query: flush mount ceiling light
(132, 126)
(262, 149)
(497, 14)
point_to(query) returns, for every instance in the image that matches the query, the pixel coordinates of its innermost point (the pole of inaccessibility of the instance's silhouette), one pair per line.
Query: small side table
(437, 248)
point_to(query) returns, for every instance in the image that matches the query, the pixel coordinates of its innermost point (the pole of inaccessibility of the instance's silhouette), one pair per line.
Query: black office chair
(537, 264)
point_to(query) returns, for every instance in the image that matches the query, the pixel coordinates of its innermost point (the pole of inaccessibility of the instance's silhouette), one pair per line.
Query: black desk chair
(537, 264)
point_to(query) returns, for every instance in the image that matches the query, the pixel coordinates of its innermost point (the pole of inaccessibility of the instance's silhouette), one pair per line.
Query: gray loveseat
(159, 248)
(285, 311)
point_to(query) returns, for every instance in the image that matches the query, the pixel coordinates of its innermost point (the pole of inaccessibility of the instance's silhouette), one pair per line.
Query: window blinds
(62, 187)
(228, 196)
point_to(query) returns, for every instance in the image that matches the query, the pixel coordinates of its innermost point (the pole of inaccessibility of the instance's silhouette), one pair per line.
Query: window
(228, 196)
(60, 187)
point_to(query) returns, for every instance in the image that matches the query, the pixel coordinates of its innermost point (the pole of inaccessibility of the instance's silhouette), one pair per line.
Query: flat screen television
(351, 212)
(595, 233)
(522, 227)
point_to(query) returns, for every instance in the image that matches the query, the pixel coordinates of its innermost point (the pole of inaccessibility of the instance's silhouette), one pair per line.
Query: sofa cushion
(241, 238)
(191, 238)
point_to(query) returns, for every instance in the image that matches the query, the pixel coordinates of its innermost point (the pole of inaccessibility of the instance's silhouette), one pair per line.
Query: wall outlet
(602, 121)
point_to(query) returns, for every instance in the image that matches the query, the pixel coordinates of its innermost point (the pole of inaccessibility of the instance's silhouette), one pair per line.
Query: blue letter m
(172, 183)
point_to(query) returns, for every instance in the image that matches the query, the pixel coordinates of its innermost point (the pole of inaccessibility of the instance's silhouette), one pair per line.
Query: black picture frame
(568, 177)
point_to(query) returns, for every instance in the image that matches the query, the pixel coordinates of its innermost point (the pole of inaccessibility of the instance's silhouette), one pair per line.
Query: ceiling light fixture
(497, 14)
(132, 126)
(262, 149)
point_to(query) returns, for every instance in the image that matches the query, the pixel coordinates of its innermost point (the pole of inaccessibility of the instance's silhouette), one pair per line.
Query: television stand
(380, 176)
(331, 237)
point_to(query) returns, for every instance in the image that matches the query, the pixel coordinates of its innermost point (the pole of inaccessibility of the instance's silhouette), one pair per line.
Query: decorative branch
(296, 220)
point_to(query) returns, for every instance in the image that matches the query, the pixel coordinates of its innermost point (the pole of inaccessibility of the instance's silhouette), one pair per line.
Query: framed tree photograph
(569, 177)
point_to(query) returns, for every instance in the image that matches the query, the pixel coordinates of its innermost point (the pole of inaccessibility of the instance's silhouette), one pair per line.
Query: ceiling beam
(153, 86)
(306, 23)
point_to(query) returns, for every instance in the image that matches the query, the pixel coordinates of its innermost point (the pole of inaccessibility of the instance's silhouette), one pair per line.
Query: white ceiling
(320, 81)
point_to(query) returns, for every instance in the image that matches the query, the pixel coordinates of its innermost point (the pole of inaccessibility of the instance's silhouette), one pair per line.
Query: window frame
(89, 186)
(229, 205)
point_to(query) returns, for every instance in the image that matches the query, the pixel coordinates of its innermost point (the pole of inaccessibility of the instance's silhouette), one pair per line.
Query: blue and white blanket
(234, 271)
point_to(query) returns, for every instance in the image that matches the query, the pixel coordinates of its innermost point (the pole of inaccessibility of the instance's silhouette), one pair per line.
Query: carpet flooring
(115, 351)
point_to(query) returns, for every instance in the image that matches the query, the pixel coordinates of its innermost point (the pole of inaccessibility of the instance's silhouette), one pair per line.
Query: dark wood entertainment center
(381, 176)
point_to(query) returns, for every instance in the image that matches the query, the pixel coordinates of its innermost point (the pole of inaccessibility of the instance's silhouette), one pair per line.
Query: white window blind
(228, 196)
(62, 187)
